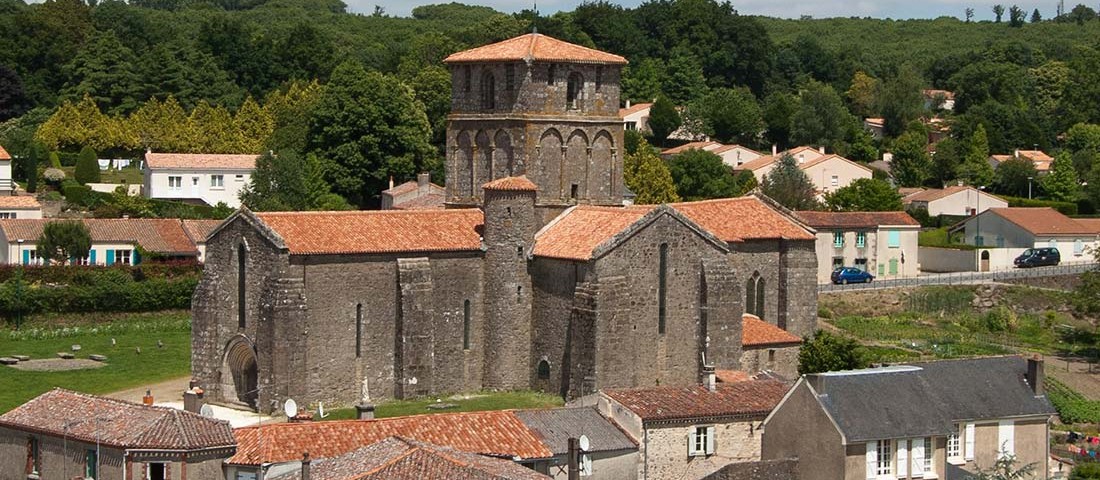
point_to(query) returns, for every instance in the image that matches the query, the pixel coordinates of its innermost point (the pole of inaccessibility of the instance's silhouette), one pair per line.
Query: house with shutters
(882, 243)
(19, 206)
(828, 172)
(123, 241)
(198, 178)
(940, 420)
(6, 183)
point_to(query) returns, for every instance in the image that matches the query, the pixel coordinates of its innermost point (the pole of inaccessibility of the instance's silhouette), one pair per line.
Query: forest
(359, 98)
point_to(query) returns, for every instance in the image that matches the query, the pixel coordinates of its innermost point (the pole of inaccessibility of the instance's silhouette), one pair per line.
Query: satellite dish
(583, 441)
(290, 408)
(586, 465)
(321, 410)
(207, 411)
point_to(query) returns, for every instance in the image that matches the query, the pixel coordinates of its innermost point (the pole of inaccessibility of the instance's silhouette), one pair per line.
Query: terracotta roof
(758, 333)
(200, 161)
(155, 235)
(753, 398)
(1041, 160)
(933, 194)
(198, 230)
(876, 121)
(637, 107)
(117, 423)
(766, 160)
(431, 201)
(1091, 224)
(535, 47)
(4, 154)
(409, 186)
(731, 376)
(855, 219)
(947, 95)
(575, 234)
(19, 201)
(690, 146)
(742, 218)
(497, 433)
(514, 184)
(825, 158)
(1041, 221)
(387, 231)
(906, 191)
(397, 458)
(725, 148)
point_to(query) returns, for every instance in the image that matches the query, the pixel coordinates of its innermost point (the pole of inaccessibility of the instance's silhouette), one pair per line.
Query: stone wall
(554, 283)
(666, 449)
(782, 360)
(786, 469)
(799, 428)
(510, 223)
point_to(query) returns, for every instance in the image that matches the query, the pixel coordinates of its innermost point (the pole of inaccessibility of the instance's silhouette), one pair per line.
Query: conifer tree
(1061, 182)
(253, 127)
(790, 186)
(87, 167)
(975, 168)
(648, 177)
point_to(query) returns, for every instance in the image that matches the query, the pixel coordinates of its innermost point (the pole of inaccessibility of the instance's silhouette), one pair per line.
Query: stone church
(535, 276)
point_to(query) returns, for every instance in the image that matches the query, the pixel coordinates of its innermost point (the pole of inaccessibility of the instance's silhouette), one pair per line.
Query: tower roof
(514, 184)
(534, 47)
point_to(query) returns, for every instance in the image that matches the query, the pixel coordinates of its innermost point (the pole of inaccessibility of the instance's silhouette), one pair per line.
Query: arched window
(466, 78)
(574, 90)
(466, 325)
(544, 370)
(662, 284)
(754, 295)
(242, 257)
(550, 75)
(488, 91)
(358, 330)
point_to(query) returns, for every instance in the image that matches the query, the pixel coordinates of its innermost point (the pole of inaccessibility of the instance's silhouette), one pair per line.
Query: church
(535, 275)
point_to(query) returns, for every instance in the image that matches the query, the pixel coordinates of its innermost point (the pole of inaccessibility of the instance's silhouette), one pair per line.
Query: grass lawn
(125, 367)
(466, 403)
(130, 175)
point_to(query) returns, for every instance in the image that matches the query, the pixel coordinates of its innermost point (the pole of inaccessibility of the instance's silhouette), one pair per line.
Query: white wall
(5, 175)
(196, 184)
(736, 156)
(20, 213)
(961, 203)
(13, 254)
(876, 250)
(822, 174)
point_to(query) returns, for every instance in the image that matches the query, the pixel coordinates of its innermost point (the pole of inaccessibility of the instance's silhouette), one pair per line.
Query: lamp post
(1029, 179)
(978, 218)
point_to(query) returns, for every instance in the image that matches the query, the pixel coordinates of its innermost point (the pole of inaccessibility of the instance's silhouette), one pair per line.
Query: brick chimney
(709, 378)
(1035, 374)
(423, 183)
(147, 400)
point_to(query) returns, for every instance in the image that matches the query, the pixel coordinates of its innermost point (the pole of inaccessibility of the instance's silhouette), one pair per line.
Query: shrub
(78, 195)
(1085, 471)
(52, 196)
(87, 167)
(826, 352)
(53, 175)
(122, 295)
(1067, 208)
(1001, 319)
(824, 312)
(55, 160)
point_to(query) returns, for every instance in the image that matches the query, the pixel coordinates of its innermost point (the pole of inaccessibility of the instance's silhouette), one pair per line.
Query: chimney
(305, 465)
(821, 149)
(775, 149)
(628, 104)
(1016, 153)
(709, 379)
(1035, 374)
(574, 459)
(302, 416)
(364, 411)
(147, 400)
(391, 181)
(423, 183)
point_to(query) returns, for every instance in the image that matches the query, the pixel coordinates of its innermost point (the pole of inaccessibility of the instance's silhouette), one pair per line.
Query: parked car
(1038, 257)
(851, 275)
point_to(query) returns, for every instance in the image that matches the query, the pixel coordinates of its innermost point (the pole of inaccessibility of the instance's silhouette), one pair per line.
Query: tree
(828, 352)
(1036, 17)
(729, 115)
(1015, 16)
(684, 80)
(1085, 471)
(104, 69)
(863, 93)
(1061, 182)
(911, 166)
(865, 195)
(901, 101)
(288, 182)
(87, 166)
(1082, 14)
(63, 241)
(36, 155)
(1016, 177)
(946, 160)
(1083, 136)
(663, 119)
(975, 168)
(1086, 297)
(253, 127)
(291, 109)
(14, 299)
(969, 14)
(998, 11)
(821, 119)
(789, 185)
(162, 126)
(1004, 468)
(642, 82)
(779, 111)
(13, 100)
(648, 176)
(701, 175)
(212, 129)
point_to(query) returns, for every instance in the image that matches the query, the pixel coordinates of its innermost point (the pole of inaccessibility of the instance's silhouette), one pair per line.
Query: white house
(114, 241)
(732, 155)
(19, 206)
(199, 177)
(882, 243)
(1038, 158)
(636, 116)
(961, 200)
(829, 173)
(6, 183)
(1007, 232)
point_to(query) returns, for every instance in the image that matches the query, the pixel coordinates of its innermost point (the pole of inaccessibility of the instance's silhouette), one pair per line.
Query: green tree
(34, 158)
(945, 162)
(684, 80)
(291, 109)
(1061, 183)
(663, 119)
(82, 124)
(1004, 468)
(432, 88)
(253, 127)
(790, 186)
(1036, 17)
(87, 166)
(64, 240)
(648, 176)
(14, 302)
(162, 126)
(701, 175)
(779, 111)
(863, 94)
(998, 11)
(1085, 471)
(1016, 16)
(901, 102)
(975, 168)
(911, 166)
(828, 352)
(821, 119)
(104, 69)
(642, 82)
(1083, 136)
(212, 129)
(864, 195)
(1015, 177)
(1048, 82)
(729, 115)
(288, 182)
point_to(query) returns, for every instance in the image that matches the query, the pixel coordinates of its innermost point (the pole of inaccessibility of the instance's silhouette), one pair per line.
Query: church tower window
(358, 330)
(550, 74)
(662, 290)
(242, 257)
(466, 325)
(544, 370)
(466, 78)
(754, 295)
(573, 90)
(488, 91)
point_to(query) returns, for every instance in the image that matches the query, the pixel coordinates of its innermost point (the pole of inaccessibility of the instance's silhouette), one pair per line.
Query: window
(488, 91)
(573, 190)
(573, 91)
(631, 125)
(155, 471)
(754, 295)
(885, 463)
(1006, 438)
(834, 181)
(771, 354)
(979, 240)
(861, 264)
(838, 239)
(510, 78)
(466, 325)
(550, 74)
(195, 181)
(241, 258)
(599, 76)
(838, 262)
(466, 78)
(519, 294)
(861, 239)
(928, 453)
(34, 456)
(123, 257)
(701, 442)
(1078, 247)
(239, 178)
(91, 464)
(5, 215)
(893, 239)
(30, 257)
(217, 181)
(175, 183)
(245, 475)
(1000, 241)
(519, 251)
(543, 370)
(662, 286)
(954, 445)
(359, 330)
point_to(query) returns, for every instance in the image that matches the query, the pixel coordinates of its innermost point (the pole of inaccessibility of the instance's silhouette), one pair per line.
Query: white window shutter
(710, 440)
(918, 457)
(903, 457)
(968, 437)
(872, 459)
(1006, 438)
(691, 443)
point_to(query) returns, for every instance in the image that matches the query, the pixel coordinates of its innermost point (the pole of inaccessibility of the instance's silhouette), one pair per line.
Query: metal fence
(962, 278)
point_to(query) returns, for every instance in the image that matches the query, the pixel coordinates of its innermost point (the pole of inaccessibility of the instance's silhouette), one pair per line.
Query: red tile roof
(1091, 224)
(701, 145)
(764, 161)
(1042, 221)
(19, 201)
(753, 398)
(410, 186)
(933, 194)
(397, 458)
(514, 184)
(731, 376)
(758, 333)
(534, 47)
(116, 423)
(156, 235)
(431, 201)
(200, 161)
(577, 232)
(497, 433)
(387, 231)
(855, 219)
(198, 230)
(742, 218)
(4, 154)
(637, 107)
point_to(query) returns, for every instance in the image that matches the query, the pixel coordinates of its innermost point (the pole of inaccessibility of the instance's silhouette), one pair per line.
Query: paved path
(963, 278)
(169, 393)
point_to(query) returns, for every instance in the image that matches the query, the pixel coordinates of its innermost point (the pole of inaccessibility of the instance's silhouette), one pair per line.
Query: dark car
(1038, 257)
(851, 275)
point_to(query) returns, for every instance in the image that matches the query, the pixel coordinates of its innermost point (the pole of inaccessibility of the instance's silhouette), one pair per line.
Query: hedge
(86, 275)
(1067, 208)
(1072, 407)
(105, 296)
(77, 194)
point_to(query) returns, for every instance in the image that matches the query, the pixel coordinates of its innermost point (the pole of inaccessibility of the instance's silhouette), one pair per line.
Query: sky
(774, 8)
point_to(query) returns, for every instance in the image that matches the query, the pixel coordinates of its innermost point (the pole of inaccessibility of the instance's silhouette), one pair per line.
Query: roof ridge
(365, 212)
(412, 449)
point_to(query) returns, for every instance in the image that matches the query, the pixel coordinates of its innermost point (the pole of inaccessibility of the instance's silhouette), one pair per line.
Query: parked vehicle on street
(845, 275)
(1038, 257)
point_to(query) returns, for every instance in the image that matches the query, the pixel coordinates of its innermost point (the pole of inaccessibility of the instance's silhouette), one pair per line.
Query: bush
(827, 352)
(1085, 471)
(1067, 208)
(55, 160)
(1001, 319)
(87, 167)
(78, 195)
(52, 196)
(89, 275)
(118, 294)
(54, 176)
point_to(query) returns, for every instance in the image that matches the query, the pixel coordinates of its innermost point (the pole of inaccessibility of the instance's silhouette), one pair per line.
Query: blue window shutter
(135, 258)
(110, 257)
(894, 238)
(91, 257)
(26, 257)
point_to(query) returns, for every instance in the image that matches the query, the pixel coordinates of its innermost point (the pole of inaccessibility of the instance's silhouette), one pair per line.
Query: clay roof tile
(200, 161)
(534, 47)
(752, 398)
(514, 184)
(385, 231)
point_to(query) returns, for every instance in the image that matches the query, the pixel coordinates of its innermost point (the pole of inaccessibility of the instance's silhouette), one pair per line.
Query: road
(961, 278)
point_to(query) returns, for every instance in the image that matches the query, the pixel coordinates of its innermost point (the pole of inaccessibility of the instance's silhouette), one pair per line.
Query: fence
(963, 278)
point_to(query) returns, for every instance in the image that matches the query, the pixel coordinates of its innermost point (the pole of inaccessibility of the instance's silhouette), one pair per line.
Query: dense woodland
(347, 100)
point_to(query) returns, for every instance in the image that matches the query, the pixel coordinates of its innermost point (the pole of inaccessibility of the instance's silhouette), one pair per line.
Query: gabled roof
(511, 184)
(431, 201)
(19, 202)
(576, 233)
(164, 236)
(751, 398)
(743, 218)
(758, 163)
(4, 154)
(496, 433)
(856, 219)
(385, 231)
(534, 47)
(933, 194)
(199, 161)
(726, 148)
(637, 107)
(825, 158)
(758, 333)
(199, 230)
(701, 145)
(555, 426)
(90, 418)
(926, 399)
(410, 186)
(1041, 220)
(1090, 224)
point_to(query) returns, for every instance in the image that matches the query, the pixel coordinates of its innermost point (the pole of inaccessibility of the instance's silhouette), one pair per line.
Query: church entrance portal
(239, 372)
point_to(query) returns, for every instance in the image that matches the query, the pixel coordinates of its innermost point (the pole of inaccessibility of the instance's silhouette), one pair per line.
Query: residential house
(875, 125)
(883, 243)
(1007, 232)
(938, 99)
(1038, 158)
(611, 454)
(397, 458)
(693, 431)
(923, 420)
(6, 183)
(766, 347)
(198, 177)
(197, 231)
(829, 173)
(19, 206)
(960, 201)
(636, 117)
(63, 434)
(732, 155)
(114, 241)
(414, 195)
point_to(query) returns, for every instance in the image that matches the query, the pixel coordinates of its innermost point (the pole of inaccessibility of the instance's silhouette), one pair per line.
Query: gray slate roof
(556, 425)
(924, 399)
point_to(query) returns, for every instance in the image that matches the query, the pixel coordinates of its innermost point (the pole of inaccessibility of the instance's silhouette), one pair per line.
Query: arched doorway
(239, 371)
(985, 261)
